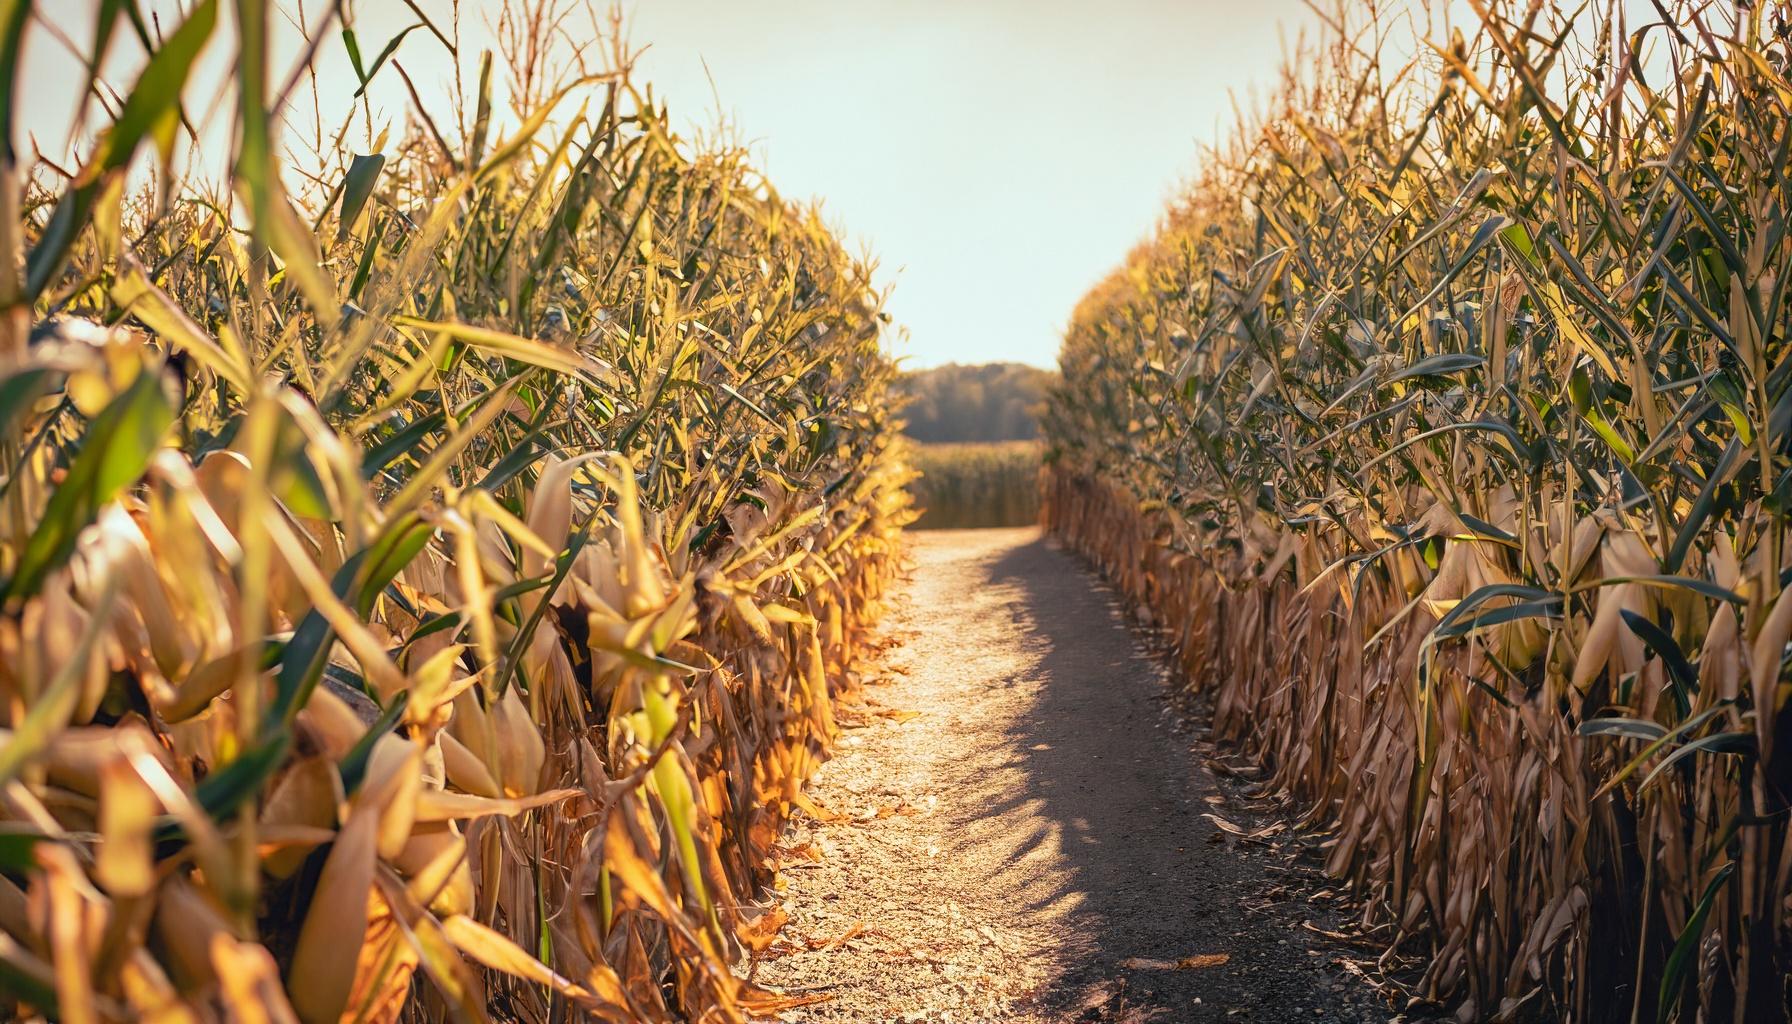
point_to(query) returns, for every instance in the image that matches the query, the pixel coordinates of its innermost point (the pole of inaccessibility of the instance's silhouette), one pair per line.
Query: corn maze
(435, 560)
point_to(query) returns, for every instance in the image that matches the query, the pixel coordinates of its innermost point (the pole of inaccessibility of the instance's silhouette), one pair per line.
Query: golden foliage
(1444, 424)
(975, 484)
(428, 604)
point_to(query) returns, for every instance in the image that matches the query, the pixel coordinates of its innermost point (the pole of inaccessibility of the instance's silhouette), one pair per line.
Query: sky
(999, 157)
(995, 157)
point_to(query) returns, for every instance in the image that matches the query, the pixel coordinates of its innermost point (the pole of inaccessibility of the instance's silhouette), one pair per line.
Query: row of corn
(427, 601)
(1445, 427)
(972, 484)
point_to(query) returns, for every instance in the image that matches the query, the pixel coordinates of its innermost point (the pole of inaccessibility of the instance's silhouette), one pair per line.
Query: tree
(985, 402)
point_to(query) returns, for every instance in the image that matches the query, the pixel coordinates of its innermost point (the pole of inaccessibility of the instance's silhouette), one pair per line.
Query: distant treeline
(987, 402)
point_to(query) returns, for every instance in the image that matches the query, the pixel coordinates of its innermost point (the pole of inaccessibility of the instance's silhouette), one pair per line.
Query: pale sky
(997, 157)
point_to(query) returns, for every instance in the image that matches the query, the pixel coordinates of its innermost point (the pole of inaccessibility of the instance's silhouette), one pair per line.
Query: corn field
(427, 590)
(975, 484)
(1444, 426)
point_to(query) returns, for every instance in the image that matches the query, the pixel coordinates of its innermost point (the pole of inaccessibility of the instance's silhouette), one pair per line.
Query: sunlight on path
(1028, 845)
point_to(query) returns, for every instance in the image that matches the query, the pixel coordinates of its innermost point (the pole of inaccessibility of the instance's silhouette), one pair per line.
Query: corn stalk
(426, 600)
(1445, 425)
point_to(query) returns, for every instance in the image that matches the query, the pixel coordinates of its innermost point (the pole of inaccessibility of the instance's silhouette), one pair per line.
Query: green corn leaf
(114, 453)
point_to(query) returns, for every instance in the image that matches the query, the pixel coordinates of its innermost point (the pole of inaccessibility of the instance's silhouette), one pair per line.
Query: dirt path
(1031, 845)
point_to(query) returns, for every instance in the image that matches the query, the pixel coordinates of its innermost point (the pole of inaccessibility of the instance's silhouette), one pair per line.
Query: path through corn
(1033, 843)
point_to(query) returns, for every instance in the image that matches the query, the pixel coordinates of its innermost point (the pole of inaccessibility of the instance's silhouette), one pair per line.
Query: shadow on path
(1108, 837)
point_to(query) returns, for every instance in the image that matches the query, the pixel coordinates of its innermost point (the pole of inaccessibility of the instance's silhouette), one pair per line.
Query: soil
(1046, 837)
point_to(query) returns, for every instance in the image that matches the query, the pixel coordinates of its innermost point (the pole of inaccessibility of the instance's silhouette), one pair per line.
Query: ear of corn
(428, 599)
(1444, 423)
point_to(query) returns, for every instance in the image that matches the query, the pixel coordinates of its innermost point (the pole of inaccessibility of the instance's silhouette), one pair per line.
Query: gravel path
(1025, 830)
